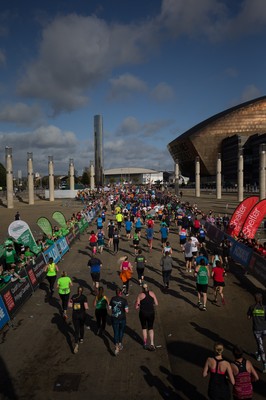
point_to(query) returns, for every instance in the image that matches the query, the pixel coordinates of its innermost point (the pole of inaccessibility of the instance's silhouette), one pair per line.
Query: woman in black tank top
(145, 304)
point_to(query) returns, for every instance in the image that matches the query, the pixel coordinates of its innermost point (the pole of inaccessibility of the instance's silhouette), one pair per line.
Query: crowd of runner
(132, 214)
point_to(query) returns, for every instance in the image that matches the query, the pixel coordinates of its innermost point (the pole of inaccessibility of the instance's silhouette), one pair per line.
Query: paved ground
(37, 357)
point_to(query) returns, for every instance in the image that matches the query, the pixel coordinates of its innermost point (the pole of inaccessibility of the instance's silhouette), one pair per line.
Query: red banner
(240, 214)
(254, 219)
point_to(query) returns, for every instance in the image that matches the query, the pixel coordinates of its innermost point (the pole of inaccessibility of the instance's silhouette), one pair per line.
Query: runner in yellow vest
(63, 285)
(51, 270)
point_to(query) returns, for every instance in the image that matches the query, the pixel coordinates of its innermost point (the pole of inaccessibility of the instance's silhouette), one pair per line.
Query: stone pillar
(197, 177)
(177, 179)
(262, 171)
(240, 176)
(51, 177)
(9, 178)
(219, 177)
(71, 174)
(30, 178)
(92, 176)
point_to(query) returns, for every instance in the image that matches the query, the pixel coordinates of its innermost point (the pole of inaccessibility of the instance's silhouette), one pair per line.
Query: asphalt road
(36, 353)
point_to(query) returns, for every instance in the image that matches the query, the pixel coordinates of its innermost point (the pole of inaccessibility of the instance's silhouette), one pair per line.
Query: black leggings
(101, 315)
(64, 299)
(51, 280)
(116, 245)
(78, 322)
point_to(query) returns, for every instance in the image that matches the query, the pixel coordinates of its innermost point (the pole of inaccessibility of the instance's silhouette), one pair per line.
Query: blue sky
(152, 68)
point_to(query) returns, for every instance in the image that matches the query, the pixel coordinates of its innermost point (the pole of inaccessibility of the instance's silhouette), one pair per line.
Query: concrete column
(92, 176)
(219, 177)
(30, 178)
(9, 178)
(177, 179)
(51, 177)
(262, 171)
(197, 177)
(71, 174)
(240, 176)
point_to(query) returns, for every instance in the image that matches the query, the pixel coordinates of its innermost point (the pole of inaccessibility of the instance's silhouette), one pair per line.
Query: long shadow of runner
(165, 392)
(171, 292)
(7, 388)
(182, 385)
(64, 328)
(81, 282)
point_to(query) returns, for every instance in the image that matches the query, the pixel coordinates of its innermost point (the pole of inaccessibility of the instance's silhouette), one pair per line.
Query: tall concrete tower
(98, 149)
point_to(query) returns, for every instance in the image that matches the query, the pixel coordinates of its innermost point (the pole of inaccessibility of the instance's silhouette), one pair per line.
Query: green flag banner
(60, 219)
(45, 226)
(83, 224)
(20, 231)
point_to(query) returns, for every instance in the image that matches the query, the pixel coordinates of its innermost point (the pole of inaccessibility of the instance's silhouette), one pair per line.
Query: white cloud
(131, 126)
(162, 92)
(20, 113)
(126, 84)
(212, 19)
(76, 53)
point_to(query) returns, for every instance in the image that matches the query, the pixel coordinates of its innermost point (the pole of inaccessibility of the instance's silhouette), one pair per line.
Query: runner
(51, 270)
(100, 241)
(136, 240)
(63, 285)
(126, 271)
(202, 274)
(149, 236)
(119, 309)
(128, 226)
(218, 274)
(257, 312)
(93, 242)
(116, 238)
(100, 303)
(219, 370)
(95, 265)
(140, 262)
(244, 374)
(79, 304)
(145, 304)
(166, 263)
(111, 228)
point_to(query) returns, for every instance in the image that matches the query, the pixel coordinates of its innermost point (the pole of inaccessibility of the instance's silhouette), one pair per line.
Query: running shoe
(258, 356)
(145, 346)
(81, 340)
(116, 351)
(204, 308)
(76, 348)
(152, 347)
(199, 303)
(120, 346)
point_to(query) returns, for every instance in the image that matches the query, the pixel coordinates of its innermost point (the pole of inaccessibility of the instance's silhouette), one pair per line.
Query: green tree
(2, 176)
(85, 179)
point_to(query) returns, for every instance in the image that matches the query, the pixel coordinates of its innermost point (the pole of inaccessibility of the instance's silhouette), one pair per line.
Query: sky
(153, 69)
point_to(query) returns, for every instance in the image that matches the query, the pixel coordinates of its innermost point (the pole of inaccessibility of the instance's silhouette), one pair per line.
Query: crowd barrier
(14, 294)
(240, 253)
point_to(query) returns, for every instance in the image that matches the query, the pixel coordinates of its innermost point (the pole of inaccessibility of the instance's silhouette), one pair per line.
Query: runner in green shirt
(202, 273)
